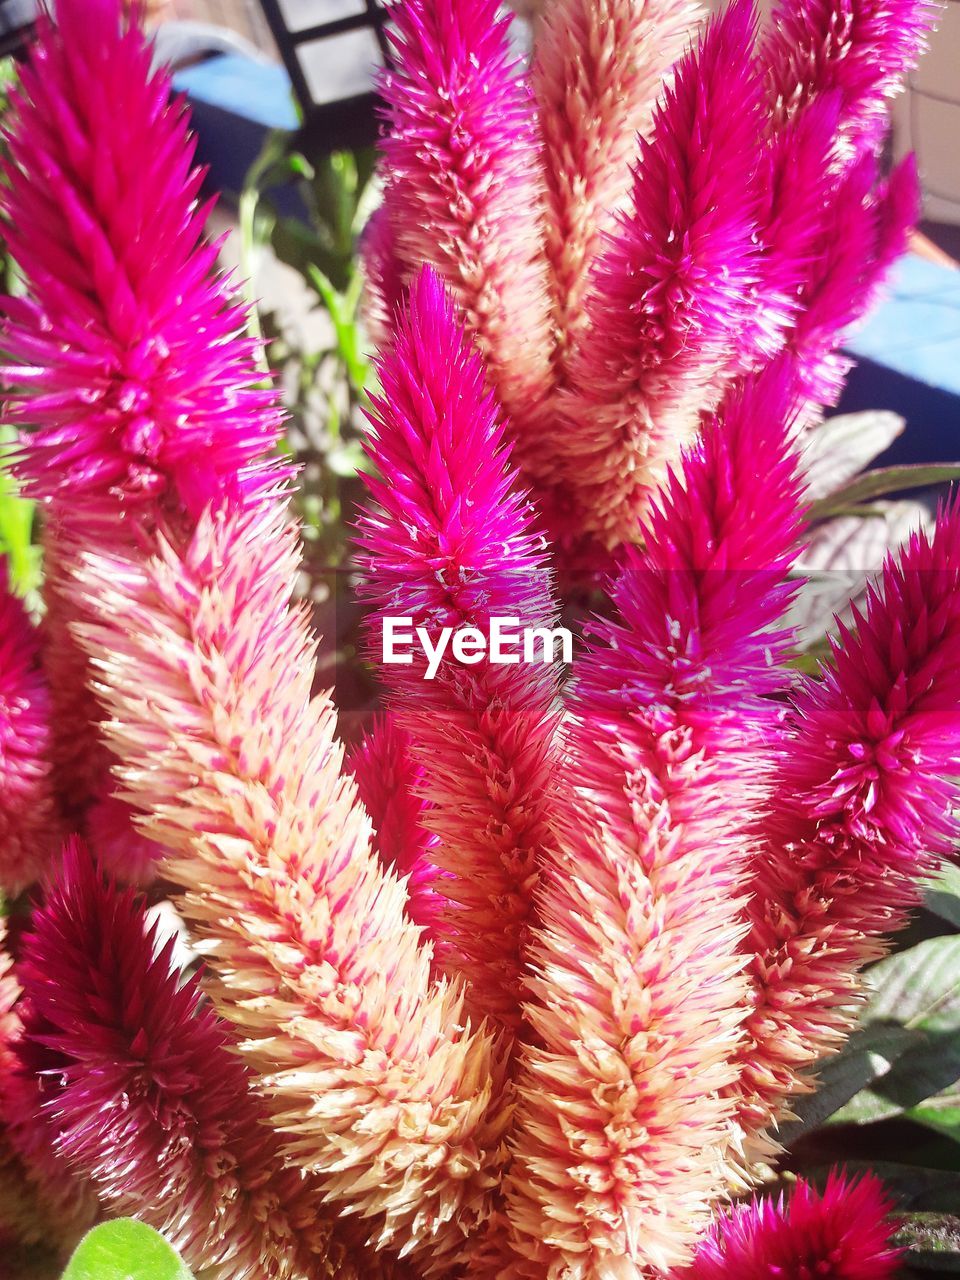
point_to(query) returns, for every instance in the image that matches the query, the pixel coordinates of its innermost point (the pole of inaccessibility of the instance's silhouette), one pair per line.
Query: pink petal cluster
(843, 1232)
(29, 815)
(638, 995)
(463, 187)
(189, 1150)
(673, 288)
(859, 51)
(861, 808)
(125, 358)
(450, 544)
(390, 786)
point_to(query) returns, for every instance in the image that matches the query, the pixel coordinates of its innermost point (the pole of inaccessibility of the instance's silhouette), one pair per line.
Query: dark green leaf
(886, 480)
(867, 1057)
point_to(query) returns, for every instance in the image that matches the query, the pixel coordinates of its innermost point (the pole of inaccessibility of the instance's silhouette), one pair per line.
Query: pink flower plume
(206, 672)
(840, 287)
(843, 1233)
(151, 1101)
(30, 829)
(450, 544)
(463, 187)
(596, 74)
(861, 806)
(390, 785)
(637, 995)
(673, 288)
(125, 359)
(860, 50)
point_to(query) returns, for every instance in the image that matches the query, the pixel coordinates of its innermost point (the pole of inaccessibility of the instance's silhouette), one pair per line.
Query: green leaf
(867, 1056)
(883, 481)
(919, 991)
(943, 894)
(125, 1250)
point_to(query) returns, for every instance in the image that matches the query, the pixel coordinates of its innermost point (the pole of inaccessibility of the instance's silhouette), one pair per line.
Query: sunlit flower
(463, 185)
(861, 807)
(125, 355)
(670, 295)
(449, 544)
(150, 1100)
(206, 670)
(638, 994)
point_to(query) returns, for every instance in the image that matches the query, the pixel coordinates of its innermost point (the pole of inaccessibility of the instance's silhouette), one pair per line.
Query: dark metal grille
(343, 121)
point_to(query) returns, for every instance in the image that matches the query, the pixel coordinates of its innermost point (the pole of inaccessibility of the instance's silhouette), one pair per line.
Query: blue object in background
(908, 360)
(235, 102)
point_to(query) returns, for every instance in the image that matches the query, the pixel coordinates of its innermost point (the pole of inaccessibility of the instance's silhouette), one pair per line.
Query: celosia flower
(29, 819)
(390, 785)
(596, 74)
(41, 1199)
(673, 289)
(450, 544)
(638, 995)
(843, 1233)
(80, 760)
(859, 50)
(841, 286)
(150, 1100)
(463, 185)
(860, 809)
(125, 355)
(206, 670)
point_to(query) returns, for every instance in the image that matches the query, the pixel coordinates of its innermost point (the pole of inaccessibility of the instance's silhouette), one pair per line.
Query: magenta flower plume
(463, 186)
(637, 993)
(859, 50)
(450, 544)
(390, 785)
(673, 288)
(840, 287)
(125, 358)
(597, 71)
(860, 810)
(844, 1233)
(377, 1086)
(41, 1199)
(29, 819)
(151, 1100)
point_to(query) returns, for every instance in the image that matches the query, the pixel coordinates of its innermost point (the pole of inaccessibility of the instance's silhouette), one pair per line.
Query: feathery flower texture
(522, 990)
(449, 544)
(123, 358)
(843, 1233)
(637, 990)
(29, 816)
